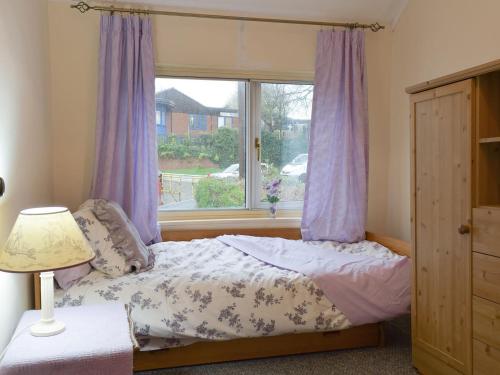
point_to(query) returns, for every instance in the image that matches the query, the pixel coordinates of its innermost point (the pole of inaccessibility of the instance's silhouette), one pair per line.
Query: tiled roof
(181, 103)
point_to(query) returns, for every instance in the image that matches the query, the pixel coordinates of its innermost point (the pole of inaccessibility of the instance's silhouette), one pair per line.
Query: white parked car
(233, 171)
(296, 168)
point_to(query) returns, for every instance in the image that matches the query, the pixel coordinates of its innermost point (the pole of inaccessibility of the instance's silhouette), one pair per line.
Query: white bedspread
(205, 290)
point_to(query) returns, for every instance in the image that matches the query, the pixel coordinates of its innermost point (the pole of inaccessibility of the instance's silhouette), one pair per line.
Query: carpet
(393, 358)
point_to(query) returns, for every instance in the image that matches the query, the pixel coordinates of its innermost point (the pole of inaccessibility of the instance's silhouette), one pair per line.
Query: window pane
(284, 125)
(201, 156)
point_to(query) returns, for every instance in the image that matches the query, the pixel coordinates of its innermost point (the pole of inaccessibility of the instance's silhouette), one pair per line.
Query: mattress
(205, 290)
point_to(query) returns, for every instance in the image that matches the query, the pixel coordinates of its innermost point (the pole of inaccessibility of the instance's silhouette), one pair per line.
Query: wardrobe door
(441, 220)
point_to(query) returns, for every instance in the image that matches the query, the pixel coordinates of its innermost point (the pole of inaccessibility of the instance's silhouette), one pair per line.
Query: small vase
(273, 209)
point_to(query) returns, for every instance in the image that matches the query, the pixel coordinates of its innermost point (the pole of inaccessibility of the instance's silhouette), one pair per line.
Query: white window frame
(256, 124)
(254, 208)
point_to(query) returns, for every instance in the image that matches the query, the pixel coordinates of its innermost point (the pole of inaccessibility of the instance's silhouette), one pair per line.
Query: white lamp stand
(47, 325)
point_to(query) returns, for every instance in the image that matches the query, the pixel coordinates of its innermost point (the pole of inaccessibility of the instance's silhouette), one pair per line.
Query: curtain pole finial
(82, 6)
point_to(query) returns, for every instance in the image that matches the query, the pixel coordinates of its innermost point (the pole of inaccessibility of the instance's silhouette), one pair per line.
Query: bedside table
(96, 341)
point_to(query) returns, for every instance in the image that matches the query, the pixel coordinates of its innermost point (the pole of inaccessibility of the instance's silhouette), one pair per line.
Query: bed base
(260, 347)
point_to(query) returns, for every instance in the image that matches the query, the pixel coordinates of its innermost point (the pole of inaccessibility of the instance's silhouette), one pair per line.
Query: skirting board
(261, 347)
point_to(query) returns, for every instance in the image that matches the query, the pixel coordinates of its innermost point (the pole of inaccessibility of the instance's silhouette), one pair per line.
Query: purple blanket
(366, 289)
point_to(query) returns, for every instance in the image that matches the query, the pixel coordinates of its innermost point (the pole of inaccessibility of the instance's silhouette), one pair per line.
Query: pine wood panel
(441, 172)
(488, 176)
(428, 364)
(223, 351)
(488, 134)
(394, 244)
(486, 277)
(455, 77)
(486, 233)
(489, 140)
(486, 359)
(488, 110)
(486, 321)
(187, 235)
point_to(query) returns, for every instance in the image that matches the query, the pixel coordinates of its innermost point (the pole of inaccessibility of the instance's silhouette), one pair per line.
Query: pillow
(69, 276)
(124, 235)
(107, 259)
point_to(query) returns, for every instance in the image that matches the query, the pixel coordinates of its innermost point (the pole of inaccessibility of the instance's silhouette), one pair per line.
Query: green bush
(225, 147)
(218, 193)
(222, 147)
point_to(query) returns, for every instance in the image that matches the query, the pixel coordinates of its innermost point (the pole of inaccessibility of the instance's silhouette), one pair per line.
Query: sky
(212, 93)
(207, 92)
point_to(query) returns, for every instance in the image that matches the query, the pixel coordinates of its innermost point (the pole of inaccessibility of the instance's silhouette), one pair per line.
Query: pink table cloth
(96, 341)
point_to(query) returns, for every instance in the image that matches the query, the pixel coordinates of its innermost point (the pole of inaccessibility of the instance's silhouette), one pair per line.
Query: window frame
(253, 207)
(256, 126)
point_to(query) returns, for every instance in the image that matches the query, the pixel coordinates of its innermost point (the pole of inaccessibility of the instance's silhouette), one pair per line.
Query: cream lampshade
(45, 239)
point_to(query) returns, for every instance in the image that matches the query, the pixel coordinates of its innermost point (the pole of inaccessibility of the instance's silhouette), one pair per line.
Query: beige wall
(192, 42)
(24, 135)
(432, 38)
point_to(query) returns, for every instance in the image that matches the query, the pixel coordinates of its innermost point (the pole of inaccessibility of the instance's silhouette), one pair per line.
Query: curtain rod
(83, 7)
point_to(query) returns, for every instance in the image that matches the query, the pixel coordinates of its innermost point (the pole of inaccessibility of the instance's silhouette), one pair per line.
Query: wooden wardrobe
(455, 205)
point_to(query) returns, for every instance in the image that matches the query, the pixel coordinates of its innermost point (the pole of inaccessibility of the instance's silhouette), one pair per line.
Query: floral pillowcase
(106, 260)
(116, 243)
(124, 238)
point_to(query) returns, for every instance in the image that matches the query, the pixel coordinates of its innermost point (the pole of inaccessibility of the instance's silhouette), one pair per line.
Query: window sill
(234, 223)
(236, 214)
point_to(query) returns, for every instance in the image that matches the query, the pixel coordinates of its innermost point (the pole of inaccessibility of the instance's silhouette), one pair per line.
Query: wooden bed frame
(260, 347)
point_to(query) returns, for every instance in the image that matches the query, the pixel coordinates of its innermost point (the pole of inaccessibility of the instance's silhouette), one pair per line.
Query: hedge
(217, 193)
(222, 147)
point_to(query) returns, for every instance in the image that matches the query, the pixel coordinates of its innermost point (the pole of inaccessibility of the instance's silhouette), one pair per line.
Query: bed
(207, 302)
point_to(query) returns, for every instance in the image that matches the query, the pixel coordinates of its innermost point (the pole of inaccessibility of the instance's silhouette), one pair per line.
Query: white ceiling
(383, 11)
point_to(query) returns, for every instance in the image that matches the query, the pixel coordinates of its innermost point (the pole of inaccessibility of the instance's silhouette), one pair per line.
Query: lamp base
(47, 325)
(43, 329)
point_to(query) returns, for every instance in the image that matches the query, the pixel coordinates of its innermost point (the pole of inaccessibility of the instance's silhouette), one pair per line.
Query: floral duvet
(206, 290)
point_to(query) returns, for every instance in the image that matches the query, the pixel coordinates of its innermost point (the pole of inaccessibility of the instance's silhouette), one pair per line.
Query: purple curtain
(336, 193)
(126, 157)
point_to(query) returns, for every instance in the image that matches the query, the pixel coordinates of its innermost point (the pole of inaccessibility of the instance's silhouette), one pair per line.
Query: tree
(224, 147)
(278, 100)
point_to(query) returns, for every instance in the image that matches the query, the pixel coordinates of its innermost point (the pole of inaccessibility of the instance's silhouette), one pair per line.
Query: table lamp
(42, 240)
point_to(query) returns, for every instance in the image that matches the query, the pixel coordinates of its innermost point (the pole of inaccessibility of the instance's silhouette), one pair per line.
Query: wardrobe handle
(463, 229)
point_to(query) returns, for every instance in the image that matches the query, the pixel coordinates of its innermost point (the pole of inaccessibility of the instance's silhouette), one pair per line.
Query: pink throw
(366, 289)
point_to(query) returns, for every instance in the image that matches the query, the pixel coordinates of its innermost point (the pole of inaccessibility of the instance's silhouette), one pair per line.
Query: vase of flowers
(273, 196)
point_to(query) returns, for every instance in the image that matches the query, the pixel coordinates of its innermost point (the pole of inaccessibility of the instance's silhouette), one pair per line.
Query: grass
(196, 171)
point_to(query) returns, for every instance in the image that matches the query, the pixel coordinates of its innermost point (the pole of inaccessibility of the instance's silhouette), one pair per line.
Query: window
(285, 119)
(202, 166)
(158, 118)
(208, 158)
(198, 122)
(161, 125)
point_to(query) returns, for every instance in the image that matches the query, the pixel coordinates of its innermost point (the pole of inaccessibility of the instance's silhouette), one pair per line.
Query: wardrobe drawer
(486, 232)
(486, 276)
(486, 359)
(486, 321)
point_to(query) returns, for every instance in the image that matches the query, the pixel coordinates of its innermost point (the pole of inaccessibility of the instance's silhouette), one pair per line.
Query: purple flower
(273, 190)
